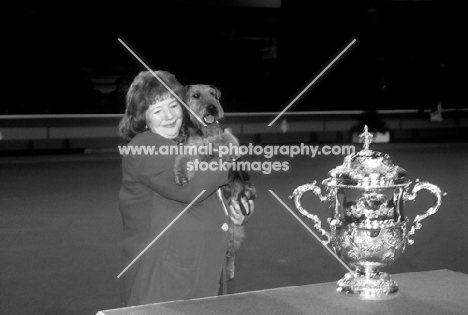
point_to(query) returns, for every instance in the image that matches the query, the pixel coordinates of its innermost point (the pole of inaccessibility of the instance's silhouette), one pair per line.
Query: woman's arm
(157, 172)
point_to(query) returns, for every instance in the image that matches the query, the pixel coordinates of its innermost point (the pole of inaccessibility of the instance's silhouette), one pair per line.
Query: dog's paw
(230, 268)
(181, 180)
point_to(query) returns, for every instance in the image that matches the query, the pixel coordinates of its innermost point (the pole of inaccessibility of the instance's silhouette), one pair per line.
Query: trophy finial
(367, 137)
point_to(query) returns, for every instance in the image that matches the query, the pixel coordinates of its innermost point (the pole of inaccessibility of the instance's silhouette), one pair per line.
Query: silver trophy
(368, 229)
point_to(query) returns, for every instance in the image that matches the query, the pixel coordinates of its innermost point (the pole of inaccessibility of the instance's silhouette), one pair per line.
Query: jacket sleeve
(157, 172)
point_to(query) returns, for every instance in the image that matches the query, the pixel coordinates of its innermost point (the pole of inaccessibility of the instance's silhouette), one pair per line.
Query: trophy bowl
(368, 227)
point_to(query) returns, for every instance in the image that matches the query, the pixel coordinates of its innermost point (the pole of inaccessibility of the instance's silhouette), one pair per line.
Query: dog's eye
(196, 95)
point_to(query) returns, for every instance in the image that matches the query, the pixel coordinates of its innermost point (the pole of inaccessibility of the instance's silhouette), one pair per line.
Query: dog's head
(203, 100)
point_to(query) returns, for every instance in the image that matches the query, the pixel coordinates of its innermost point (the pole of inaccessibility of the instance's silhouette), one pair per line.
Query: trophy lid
(367, 169)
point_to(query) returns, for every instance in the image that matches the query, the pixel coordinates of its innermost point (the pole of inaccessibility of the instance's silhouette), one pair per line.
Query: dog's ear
(218, 92)
(185, 91)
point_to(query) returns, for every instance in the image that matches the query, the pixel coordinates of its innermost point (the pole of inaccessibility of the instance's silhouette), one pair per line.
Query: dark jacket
(186, 261)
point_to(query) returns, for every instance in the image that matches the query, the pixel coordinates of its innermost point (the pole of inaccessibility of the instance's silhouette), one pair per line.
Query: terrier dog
(203, 100)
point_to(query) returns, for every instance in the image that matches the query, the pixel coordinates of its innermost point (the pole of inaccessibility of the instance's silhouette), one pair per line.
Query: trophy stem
(368, 284)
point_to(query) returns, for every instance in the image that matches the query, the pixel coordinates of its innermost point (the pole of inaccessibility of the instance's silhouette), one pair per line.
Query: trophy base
(368, 286)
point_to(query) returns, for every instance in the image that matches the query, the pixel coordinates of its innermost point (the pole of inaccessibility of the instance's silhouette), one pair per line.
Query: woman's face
(165, 118)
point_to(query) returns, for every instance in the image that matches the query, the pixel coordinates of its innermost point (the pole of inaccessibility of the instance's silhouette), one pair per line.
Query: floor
(60, 227)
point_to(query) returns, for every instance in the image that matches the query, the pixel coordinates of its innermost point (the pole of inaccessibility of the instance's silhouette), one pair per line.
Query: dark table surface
(431, 292)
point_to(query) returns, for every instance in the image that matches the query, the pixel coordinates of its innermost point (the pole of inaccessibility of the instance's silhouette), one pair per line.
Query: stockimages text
(224, 153)
(266, 167)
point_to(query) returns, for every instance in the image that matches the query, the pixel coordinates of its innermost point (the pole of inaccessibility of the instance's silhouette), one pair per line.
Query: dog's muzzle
(211, 114)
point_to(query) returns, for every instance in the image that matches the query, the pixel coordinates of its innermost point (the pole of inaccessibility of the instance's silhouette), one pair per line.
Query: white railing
(79, 129)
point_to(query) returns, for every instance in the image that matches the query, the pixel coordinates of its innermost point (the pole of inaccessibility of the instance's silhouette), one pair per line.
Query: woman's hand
(236, 213)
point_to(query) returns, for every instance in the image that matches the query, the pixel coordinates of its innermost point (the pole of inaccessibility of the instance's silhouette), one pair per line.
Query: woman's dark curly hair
(145, 91)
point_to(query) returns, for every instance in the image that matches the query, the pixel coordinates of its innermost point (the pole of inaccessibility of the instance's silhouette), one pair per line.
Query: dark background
(66, 58)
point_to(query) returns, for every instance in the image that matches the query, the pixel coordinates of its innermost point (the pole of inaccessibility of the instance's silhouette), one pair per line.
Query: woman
(186, 261)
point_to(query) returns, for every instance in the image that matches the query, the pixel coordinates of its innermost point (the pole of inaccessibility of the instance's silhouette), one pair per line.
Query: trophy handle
(433, 189)
(297, 195)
